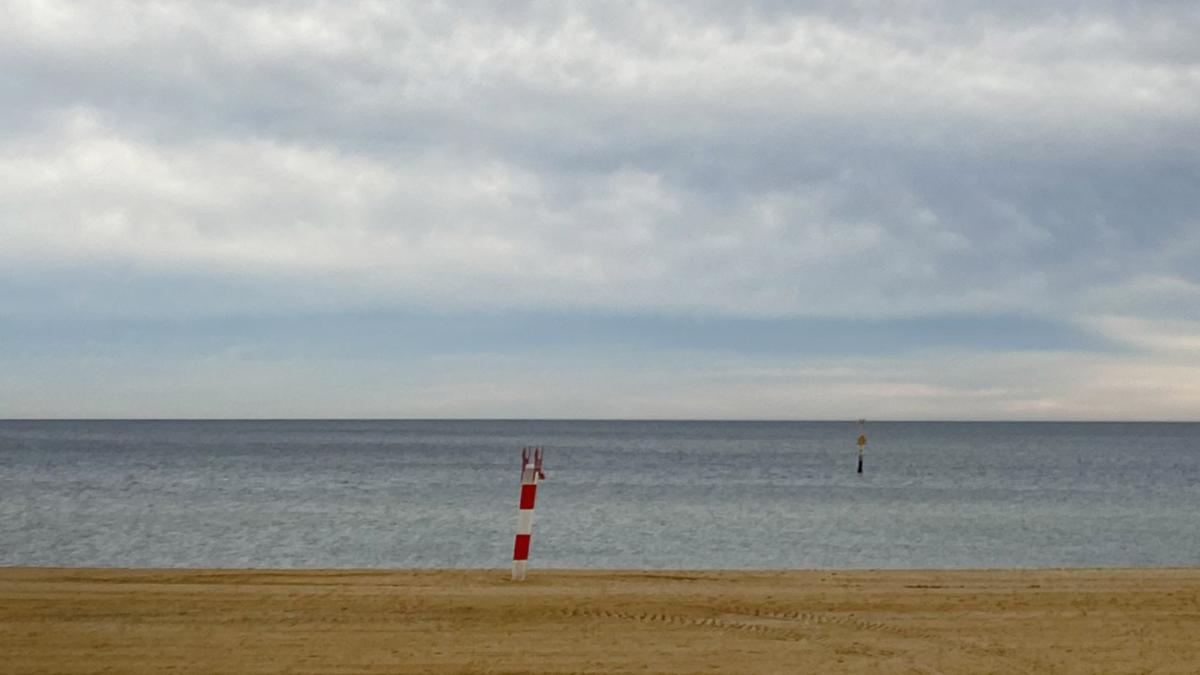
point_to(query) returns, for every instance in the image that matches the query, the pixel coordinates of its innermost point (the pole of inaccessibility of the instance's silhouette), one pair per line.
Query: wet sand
(207, 621)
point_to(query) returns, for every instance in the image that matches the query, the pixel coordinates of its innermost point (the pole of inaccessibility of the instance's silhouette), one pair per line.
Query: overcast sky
(783, 210)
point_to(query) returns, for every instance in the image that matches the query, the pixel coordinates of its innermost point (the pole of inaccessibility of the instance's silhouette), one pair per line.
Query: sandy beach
(210, 621)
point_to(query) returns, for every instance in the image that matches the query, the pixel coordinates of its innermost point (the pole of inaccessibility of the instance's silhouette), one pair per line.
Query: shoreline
(90, 620)
(599, 570)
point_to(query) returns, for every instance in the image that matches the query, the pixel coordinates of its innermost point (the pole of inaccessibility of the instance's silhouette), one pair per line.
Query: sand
(207, 621)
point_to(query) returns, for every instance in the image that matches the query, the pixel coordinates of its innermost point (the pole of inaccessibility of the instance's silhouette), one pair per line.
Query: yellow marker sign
(862, 440)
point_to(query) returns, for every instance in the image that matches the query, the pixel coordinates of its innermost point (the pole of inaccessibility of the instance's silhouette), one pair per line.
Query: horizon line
(599, 419)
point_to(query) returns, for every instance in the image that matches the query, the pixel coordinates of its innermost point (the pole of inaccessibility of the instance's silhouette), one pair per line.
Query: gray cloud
(912, 158)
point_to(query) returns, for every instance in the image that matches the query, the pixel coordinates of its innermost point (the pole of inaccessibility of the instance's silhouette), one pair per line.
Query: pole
(531, 475)
(862, 443)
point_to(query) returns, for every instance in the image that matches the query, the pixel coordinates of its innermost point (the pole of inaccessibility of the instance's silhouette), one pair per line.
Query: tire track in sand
(789, 626)
(784, 625)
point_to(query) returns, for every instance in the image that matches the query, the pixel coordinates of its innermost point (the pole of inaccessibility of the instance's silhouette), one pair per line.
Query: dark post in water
(862, 443)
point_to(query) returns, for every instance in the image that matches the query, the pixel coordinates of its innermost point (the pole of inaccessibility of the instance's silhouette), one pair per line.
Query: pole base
(518, 570)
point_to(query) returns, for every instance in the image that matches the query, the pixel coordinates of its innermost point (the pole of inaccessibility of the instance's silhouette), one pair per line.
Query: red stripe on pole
(528, 493)
(521, 547)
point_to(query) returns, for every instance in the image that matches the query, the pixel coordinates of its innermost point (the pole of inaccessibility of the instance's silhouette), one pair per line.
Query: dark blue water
(618, 494)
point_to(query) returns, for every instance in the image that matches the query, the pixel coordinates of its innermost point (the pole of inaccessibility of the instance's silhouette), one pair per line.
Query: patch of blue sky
(400, 336)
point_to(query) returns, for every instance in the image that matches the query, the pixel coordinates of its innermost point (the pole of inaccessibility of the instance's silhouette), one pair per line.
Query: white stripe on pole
(525, 521)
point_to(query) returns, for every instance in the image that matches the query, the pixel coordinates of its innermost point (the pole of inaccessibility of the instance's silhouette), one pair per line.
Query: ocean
(631, 495)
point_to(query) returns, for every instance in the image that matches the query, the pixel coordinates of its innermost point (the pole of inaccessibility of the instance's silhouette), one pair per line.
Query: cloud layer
(771, 161)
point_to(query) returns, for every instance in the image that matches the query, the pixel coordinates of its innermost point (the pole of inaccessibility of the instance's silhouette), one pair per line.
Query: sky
(758, 210)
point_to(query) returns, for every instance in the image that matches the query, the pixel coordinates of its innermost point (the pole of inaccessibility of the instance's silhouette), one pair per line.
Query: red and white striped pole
(531, 475)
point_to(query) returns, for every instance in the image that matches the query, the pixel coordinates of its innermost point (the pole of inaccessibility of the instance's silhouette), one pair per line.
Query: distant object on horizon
(862, 442)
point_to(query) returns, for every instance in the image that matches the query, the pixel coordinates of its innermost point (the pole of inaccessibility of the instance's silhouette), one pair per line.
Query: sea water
(617, 495)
